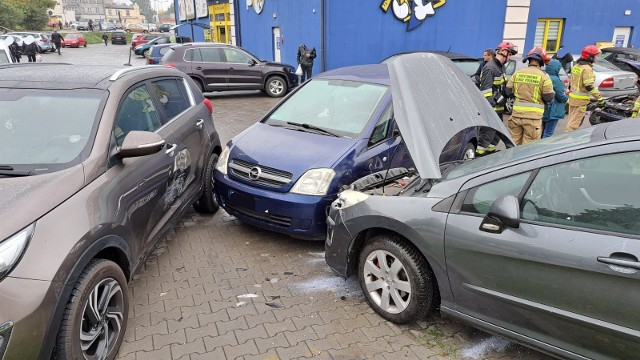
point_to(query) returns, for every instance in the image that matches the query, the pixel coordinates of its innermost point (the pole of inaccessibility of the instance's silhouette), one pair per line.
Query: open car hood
(433, 100)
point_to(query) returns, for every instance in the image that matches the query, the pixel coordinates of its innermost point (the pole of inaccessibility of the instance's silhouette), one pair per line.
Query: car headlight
(349, 198)
(221, 166)
(291, 70)
(11, 249)
(314, 182)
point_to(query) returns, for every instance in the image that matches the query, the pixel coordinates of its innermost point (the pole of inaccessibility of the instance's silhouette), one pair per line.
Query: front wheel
(207, 203)
(396, 280)
(469, 152)
(508, 106)
(594, 118)
(85, 44)
(145, 53)
(95, 318)
(276, 86)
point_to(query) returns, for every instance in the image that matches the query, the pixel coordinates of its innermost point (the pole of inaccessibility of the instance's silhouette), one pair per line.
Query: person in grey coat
(305, 59)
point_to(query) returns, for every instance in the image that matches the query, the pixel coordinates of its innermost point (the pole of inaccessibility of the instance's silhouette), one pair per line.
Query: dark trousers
(306, 73)
(58, 46)
(488, 136)
(32, 58)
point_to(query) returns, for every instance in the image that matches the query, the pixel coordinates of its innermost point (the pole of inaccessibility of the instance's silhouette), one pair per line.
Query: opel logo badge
(254, 173)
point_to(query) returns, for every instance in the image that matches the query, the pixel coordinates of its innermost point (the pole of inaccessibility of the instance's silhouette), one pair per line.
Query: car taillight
(209, 105)
(170, 65)
(42, 38)
(606, 83)
(150, 61)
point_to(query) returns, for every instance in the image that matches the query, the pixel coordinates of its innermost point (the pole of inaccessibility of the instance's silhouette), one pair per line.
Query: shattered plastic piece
(274, 305)
(241, 269)
(274, 280)
(163, 294)
(247, 296)
(265, 254)
(258, 285)
(343, 297)
(238, 304)
(288, 273)
(273, 297)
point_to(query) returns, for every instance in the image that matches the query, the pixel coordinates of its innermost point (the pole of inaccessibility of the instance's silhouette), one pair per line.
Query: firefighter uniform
(491, 85)
(531, 87)
(582, 88)
(636, 108)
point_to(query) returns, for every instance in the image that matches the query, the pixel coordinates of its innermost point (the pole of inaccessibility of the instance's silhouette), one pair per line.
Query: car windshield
(339, 106)
(71, 36)
(469, 67)
(48, 128)
(521, 152)
(603, 65)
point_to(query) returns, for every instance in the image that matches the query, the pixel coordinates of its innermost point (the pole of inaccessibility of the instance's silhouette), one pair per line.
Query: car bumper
(610, 93)
(299, 216)
(337, 244)
(138, 51)
(25, 312)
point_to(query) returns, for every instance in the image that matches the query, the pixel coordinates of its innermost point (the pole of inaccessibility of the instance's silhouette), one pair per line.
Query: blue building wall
(586, 21)
(362, 33)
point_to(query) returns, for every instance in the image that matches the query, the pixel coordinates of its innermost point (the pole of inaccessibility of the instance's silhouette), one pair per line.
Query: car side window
(193, 55)
(162, 41)
(381, 130)
(588, 193)
(137, 112)
(211, 55)
(171, 96)
(236, 56)
(479, 199)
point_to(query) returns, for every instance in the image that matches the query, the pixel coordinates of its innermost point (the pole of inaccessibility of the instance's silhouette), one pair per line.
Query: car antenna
(449, 49)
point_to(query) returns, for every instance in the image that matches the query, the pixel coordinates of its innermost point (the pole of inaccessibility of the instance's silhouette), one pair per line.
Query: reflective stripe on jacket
(492, 82)
(581, 76)
(529, 85)
(636, 108)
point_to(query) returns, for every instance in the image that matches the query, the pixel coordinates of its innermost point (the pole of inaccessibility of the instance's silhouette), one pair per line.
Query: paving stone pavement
(219, 289)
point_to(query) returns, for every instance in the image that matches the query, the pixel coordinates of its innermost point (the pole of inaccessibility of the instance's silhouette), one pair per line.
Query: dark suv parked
(118, 37)
(221, 67)
(90, 180)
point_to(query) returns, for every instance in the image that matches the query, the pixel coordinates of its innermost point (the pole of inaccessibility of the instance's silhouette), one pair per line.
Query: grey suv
(91, 178)
(221, 67)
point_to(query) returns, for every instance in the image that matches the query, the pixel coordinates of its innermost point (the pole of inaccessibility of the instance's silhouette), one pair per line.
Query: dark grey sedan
(97, 164)
(538, 243)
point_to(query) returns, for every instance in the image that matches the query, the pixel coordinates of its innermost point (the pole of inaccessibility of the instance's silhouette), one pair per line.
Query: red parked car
(142, 39)
(74, 40)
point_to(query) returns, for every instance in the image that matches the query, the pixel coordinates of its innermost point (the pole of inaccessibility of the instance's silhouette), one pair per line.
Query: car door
(569, 274)
(243, 71)
(142, 182)
(208, 64)
(186, 122)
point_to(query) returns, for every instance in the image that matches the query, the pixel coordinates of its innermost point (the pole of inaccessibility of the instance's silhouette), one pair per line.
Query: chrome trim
(192, 100)
(144, 146)
(120, 72)
(261, 175)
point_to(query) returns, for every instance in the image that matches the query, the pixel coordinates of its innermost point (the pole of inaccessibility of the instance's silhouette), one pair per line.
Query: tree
(33, 13)
(146, 9)
(10, 15)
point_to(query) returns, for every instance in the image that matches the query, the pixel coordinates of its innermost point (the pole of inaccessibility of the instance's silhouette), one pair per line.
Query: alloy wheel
(102, 320)
(276, 87)
(387, 282)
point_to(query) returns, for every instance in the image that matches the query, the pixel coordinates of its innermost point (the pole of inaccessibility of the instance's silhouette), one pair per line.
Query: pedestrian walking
(30, 48)
(486, 57)
(15, 51)
(555, 111)
(90, 25)
(105, 37)
(60, 24)
(532, 89)
(582, 87)
(57, 40)
(492, 83)
(305, 60)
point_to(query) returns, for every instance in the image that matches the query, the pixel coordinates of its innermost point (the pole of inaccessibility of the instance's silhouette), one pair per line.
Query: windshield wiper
(314, 128)
(7, 170)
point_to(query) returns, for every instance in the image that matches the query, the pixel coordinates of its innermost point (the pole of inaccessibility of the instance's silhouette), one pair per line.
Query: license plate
(242, 200)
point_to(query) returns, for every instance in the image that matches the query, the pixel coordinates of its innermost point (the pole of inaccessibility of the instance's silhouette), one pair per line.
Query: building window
(549, 34)
(127, 12)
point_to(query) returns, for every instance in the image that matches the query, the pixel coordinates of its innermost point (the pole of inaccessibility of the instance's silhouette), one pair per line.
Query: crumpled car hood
(433, 100)
(26, 199)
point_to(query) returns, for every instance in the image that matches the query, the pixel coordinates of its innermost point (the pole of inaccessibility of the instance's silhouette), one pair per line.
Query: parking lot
(218, 289)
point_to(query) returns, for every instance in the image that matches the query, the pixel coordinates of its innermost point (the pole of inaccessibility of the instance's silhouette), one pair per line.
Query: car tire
(128, 30)
(276, 86)
(594, 118)
(469, 152)
(207, 203)
(145, 31)
(145, 53)
(40, 51)
(413, 274)
(200, 84)
(85, 44)
(508, 106)
(99, 276)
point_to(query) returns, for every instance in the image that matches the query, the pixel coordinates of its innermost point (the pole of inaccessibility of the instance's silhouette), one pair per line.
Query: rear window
(71, 36)
(167, 55)
(3, 57)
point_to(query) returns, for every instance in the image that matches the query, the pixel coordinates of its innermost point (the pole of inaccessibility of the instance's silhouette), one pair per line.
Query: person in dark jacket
(31, 49)
(14, 50)
(57, 40)
(105, 38)
(305, 59)
(492, 82)
(555, 111)
(486, 57)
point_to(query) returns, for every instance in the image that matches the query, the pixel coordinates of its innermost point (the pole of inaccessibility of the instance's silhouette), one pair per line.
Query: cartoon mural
(413, 16)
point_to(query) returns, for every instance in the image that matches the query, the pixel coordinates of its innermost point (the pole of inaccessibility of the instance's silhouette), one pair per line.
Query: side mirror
(140, 143)
(252, 62)
(504, 212)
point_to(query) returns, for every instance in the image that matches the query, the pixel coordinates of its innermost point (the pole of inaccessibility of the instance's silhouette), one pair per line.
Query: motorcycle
(615, 108)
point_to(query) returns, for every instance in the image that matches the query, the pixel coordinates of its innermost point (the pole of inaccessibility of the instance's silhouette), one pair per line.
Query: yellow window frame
(548, 21)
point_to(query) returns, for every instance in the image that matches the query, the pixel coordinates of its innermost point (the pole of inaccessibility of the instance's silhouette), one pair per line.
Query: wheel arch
(278, 74)
(110, 247)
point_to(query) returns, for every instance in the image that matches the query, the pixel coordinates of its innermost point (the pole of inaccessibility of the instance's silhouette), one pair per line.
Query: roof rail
(23, 64)
(121, 72)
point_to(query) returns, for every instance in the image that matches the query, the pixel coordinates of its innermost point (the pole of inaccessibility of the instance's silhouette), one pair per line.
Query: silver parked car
(610, 79)
(538, 243)
(43, 40)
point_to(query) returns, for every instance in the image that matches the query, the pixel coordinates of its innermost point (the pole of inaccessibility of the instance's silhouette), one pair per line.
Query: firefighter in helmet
(582, 87)
(532, 88)
(492, 83)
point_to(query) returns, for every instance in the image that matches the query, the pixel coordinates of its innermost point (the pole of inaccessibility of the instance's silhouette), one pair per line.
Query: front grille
(5, 333)
(265, 175)
(276, 219)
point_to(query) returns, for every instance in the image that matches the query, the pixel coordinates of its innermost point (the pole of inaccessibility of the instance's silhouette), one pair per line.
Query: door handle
(199, 124)
(199, 68)
(630, 261)
(171, 148)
